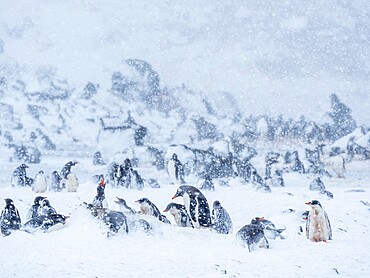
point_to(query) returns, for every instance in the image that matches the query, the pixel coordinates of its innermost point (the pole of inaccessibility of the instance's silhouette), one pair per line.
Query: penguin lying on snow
(9, 219)
(46, 208)
(34, 210)
(180, 214)
(268, 227)
(123, 206)
(44, 222)
(148, 208)
(318, 226)
(221, 219)
(196, 204)
(252, 235)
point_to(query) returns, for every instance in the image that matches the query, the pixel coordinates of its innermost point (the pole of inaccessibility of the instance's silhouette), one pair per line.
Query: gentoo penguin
(54, 182)
(9, 219)
(221, 219)
(148, 208)
(68, 179)
(123, 206)
(277, 179)
(180, 214)
(35, 209)
(99, 200)
(44, 222)
(19, 176)
(318, 226)
(40, 183)
(251, 235)
(46, 208)
(175, 170)
(269, 228)
(115, 220)
(196, 204)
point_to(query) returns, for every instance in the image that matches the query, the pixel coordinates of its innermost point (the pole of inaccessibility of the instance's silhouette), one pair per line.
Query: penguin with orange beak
(196, 205)
(99, 200)
(318, 225)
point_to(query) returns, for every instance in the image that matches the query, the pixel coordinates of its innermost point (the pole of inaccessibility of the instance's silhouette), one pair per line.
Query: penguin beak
(308, 203)
(260, 218)
(66, 216)
(174, 196)
(102, 183)
(165, 210)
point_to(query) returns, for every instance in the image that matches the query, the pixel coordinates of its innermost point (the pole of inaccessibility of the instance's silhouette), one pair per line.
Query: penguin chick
(123, 206)
(252, 235)
(148, 208)
(221, 219)
(318, 225)
(268, 227)
(71, 183)
(180, 214)
(40, 183)
(9, 219)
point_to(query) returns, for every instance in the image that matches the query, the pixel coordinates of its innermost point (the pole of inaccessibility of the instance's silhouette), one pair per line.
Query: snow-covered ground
(81, 248)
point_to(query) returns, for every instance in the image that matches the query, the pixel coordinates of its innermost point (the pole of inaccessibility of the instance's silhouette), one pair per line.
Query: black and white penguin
(46, 208)
(35, 209)
(180, 214)
(19, 176)
(318, 225)
(123, 206)
(44, 222)
(54, 182)
(175, 170)
(148, 208)
(40, 184)
(99, 200)
(222, 223)
(277, 179)
(138, 182)
(252, 235)
(269, 228)
(196, 204)
(113, 174)
(9, 219)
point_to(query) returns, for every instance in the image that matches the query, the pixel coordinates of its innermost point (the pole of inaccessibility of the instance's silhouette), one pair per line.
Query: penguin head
(45, 203)
(38, 199)
(120, 201)
(71, 163)
(216, 204)
(180, 192)
(257, 220)
(9, 202)
(174, 156)
(143, 200)
(170, 207)
(127, 162)
(102, 182)
(314, 203)
(23, 166)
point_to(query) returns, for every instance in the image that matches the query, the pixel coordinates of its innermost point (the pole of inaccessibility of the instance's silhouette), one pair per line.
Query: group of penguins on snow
(194, 212)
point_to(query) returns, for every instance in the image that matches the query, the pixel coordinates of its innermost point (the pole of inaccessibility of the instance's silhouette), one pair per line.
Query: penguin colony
(194, 212)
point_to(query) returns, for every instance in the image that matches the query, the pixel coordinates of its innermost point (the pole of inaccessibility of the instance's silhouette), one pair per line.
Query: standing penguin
(180, 214)
(54, 182)
(196, 204)
(66, 170)
(19, 176)
(72, 183)
(40, 183)
(9, 219)
(46, 208)
(148, 208)
(68, 179)
(318, 226)
(175, 170)
(138, 180)
(221, 219)
(99, 200)
(125, 176)
(34, 210)
(252, 235)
